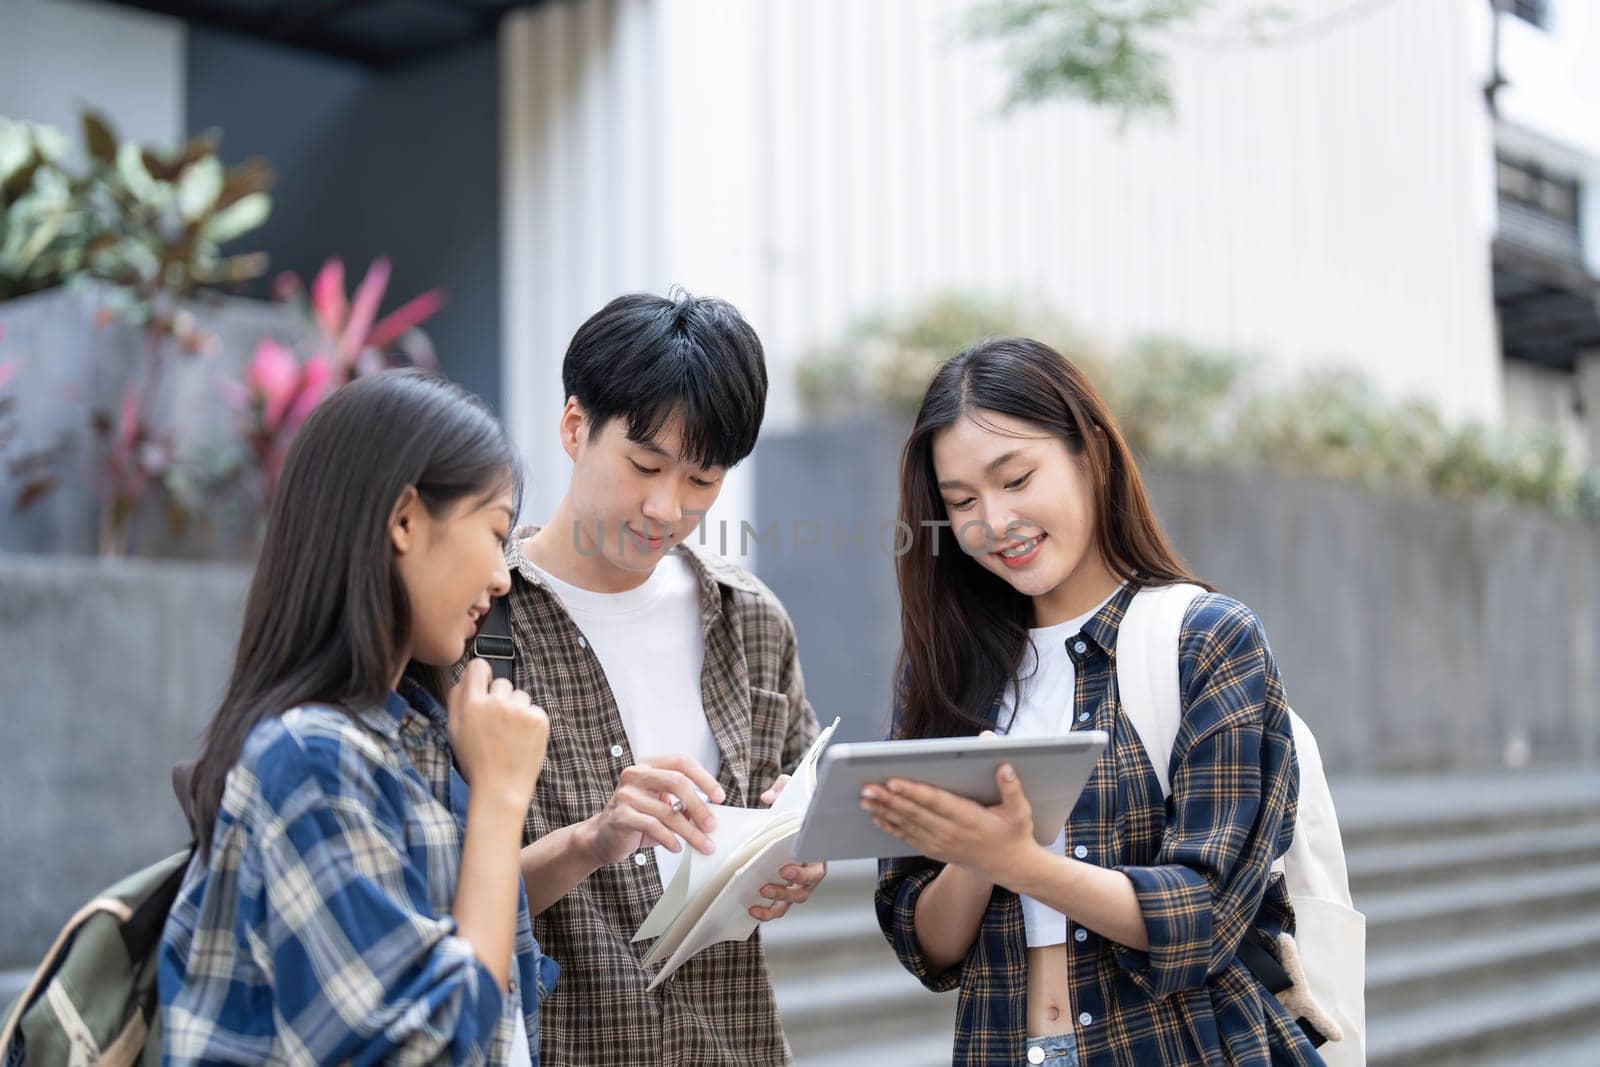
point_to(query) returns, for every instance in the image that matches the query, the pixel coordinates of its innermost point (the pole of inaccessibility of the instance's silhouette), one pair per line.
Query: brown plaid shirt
(718, 1008)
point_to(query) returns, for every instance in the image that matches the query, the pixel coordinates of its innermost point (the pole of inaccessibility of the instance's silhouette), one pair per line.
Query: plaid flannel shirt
(1199, 864)
(319, 928)
(718, 1008)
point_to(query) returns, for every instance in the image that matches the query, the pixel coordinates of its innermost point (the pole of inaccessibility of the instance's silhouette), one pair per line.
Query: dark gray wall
(111, 670)
(403, 164)
(1412, 633)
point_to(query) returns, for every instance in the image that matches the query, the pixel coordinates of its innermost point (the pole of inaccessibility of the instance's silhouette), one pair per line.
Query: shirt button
(639, 859)
(1082, 852)
(1085, 1019)
(1079, 647)
(1083, 716)
(583, 642)
(1080, 934)
(616, 751)
(1035, 1054)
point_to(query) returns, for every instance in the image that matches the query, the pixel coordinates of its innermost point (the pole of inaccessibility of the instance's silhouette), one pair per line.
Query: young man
(669, 676)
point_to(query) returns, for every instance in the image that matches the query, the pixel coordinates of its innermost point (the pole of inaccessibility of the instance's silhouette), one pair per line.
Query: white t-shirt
(1048, 691)
(651, 648)
(521, 1054)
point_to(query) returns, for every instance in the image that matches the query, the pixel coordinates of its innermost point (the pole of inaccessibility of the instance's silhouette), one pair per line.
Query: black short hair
(646, 358)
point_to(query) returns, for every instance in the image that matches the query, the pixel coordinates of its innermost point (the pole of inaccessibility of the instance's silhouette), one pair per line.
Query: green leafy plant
(888, 360)
(1105, 52)
(151, 223)
(1179, 402)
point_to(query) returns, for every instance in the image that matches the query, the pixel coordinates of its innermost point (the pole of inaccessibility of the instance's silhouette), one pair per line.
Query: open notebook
(709, 897)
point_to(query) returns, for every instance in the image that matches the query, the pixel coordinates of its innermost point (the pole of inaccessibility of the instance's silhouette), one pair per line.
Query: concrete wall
(69, 370)
(1411, 633)
(110, 672)
(403, 164)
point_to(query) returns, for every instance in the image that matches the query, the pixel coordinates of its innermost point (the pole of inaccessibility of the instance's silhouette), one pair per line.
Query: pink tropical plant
(281, 387)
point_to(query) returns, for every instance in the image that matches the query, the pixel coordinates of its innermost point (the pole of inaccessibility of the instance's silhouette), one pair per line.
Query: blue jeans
(1058, 1050)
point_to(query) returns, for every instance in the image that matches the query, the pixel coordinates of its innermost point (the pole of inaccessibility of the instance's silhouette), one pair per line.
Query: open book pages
(709, 897)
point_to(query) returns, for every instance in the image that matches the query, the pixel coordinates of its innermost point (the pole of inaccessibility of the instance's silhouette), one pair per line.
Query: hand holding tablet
(1051, 771)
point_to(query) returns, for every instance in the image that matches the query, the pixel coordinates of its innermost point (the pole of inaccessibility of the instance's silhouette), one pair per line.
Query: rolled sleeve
(361, 969)
(1177, 907)
(900, 886)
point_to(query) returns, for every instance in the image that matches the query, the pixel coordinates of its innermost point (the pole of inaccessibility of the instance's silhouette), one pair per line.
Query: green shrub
(1176, 401)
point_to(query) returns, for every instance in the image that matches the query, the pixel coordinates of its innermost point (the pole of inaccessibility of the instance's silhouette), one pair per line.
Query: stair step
(875, 1004)
(1378, 810)
(1403, 916)
(871, 989)
(1455, 1026)
(1400, 978)
(1579, 1049)
(1387, 866)
(823, 920)
(924, 1050)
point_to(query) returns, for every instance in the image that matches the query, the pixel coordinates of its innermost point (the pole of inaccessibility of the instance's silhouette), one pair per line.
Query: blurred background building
(1335, 263)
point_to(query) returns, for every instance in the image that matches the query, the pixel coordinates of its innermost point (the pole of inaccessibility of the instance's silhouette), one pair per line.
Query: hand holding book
(709, 898)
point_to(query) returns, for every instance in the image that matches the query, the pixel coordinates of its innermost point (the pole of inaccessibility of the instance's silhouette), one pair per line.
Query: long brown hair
(964, 631)
(327, 615)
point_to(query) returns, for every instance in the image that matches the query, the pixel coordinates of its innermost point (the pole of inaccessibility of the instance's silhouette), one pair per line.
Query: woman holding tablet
(1031, 535)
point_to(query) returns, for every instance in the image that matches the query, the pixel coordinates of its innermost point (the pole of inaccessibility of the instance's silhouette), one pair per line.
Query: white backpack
(1327, 955)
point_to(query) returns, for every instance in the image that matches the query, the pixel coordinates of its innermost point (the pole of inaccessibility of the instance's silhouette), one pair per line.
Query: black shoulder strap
(493, 642)
(141, 931)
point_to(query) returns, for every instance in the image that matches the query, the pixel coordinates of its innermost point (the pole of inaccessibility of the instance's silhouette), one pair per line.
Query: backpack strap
(141, 931)
(1147, 670)
(493, 643)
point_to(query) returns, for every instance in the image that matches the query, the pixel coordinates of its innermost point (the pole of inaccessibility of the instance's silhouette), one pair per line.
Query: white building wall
(59, 55)
(1324, 200)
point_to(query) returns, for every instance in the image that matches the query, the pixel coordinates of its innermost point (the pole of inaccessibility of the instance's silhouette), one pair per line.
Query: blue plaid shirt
(319, 928)
(1200, 864)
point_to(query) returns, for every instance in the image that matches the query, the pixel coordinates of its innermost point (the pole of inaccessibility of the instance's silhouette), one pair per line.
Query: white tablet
(1052, 771)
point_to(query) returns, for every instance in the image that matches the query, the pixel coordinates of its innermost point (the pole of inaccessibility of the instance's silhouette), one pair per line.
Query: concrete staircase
(1482, 896)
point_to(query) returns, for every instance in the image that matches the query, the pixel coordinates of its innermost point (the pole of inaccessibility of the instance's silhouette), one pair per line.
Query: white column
(625, 167)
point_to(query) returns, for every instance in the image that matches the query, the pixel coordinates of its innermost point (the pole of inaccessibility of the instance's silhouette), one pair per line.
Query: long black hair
(964, 631)
(327, 615)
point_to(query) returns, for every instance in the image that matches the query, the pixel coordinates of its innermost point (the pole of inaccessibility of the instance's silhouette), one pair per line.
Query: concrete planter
(70, 367)
(111, 670)
(1412, 633)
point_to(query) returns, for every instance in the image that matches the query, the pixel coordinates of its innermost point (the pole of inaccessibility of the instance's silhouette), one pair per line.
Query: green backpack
(93, 999)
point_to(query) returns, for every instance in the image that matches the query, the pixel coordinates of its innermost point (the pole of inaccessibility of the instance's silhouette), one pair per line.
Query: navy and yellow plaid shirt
(1200, 864)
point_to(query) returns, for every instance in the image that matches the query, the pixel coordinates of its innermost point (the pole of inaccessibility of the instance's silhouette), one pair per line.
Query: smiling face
(631, 501)
(452, 565)
(1023, 505)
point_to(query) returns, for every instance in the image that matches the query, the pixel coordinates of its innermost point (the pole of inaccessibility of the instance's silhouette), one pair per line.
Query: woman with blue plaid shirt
(350, 900)
(1118, 944)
